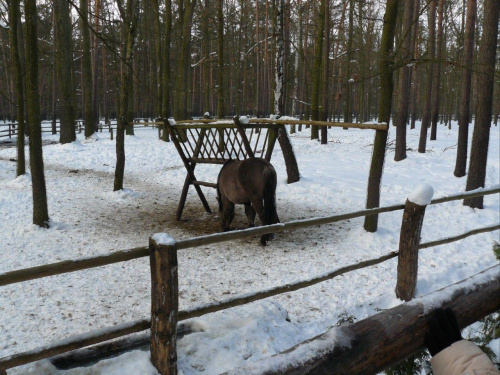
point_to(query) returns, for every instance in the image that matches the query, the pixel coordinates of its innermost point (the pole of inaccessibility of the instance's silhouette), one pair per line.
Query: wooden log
(207, 184)
(75, 342)
(241, 131)
(94, 354)
(270, 123)
(380, 126)
(382, 340)
(89, 356)
(164, 304)
(409, 241)
(273, 136)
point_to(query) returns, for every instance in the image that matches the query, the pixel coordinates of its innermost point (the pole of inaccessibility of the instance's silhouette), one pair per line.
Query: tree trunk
(40, 210)
(347, 82)
(88, 113)
(166, 81)
(318, 56)
(129, 17)
(436, 94)
(186, 15)
(465, 90)
(384, 112)
(95, 83)
(404, 83)
(414, 70)
(64, 67)
(428, 97)
(158, 72)
(326, 74)
(220, 59)
(486, 72)
(292, 168)
(14, 11)
(54, 76)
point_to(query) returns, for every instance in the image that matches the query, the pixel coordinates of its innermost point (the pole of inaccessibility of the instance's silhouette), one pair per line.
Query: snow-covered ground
(88, 218)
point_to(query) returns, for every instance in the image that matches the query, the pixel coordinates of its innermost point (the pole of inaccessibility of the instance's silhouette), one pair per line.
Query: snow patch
(93, 138)
(163, 239)
(288, 118)
(436, 299)
(422, 195)
(244, 120)
(124, 194)
(75, 146)
(20, 182)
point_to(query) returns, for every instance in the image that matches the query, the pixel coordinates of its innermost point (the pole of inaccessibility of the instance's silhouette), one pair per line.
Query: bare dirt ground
(156, 209)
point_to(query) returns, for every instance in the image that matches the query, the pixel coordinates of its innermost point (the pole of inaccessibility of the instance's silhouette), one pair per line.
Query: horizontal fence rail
(106, 334)
(139, 252)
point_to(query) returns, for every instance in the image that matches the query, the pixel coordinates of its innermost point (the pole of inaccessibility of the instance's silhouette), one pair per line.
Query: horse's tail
(219, 195)
(219, 200)
(270, 215)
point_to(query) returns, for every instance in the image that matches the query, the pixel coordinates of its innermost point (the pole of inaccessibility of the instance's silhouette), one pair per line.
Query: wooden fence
(9, 130)
(371, 350)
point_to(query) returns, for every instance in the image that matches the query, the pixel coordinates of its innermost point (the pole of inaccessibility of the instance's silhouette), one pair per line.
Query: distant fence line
(9, 130)
(164, 257)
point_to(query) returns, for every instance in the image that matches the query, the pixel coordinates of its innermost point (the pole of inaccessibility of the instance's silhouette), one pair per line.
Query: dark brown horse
(251, 182)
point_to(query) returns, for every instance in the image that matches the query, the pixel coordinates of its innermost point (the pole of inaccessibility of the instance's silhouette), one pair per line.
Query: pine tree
(40, 209)
(486, 72)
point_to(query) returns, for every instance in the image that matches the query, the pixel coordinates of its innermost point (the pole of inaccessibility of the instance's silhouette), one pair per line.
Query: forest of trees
(350, 61)
(339, 71)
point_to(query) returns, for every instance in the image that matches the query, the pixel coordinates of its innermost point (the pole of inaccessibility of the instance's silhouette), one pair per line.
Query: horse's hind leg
(227, 214)
(250, 212)
(259, 208)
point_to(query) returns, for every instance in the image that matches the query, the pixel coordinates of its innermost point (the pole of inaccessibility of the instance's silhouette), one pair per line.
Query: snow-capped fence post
(164, 303)
(409, 241)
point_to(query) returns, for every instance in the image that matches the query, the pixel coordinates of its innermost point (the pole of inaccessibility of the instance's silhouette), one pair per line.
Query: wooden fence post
(164, 303)
(409, 240)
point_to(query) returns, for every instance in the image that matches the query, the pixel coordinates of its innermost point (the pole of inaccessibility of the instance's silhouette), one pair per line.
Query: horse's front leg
(250, 212)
